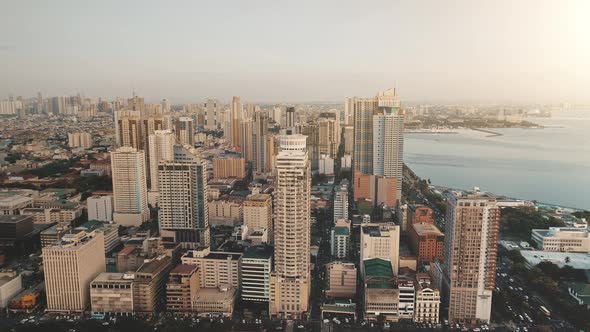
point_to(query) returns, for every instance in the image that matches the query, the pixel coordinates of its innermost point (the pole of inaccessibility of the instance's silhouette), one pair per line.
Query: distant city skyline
(462, 51)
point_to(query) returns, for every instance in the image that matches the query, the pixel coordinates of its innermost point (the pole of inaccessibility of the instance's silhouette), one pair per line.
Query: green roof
(377, 267)
(582, 290)
(340, 230)
(259, 252)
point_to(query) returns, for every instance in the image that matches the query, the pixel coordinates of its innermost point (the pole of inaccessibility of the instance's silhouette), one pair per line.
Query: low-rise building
(182, 288)
(11, 203)
(216, 268)
(215, 302)
(381, 296)
(426, 241)
(10, 285)
(54, 233)
(427, 305)
(112, 293)
(580, 292)
(342, 280)
(149, 286)
(562, 239)
(14, 228)
(255, 273)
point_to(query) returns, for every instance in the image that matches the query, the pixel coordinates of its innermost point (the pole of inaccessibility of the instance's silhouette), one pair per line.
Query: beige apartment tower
(290, 282)
(70, 267)
(129, 187)
(470, 249)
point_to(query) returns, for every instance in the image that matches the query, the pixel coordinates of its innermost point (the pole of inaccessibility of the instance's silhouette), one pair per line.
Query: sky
(491, 51)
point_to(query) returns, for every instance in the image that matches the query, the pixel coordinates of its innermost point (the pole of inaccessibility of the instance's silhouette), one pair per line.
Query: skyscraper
(128, 129)
(329, 136)
(260, 143)
(388, 145)
(211, 108)
(471, 236)
(246, 139)
(161, 144)
(290, 120)
(378, 147)
(290, 282)
(183, 197)
(129, 186)
(185, 131)
(236, 117)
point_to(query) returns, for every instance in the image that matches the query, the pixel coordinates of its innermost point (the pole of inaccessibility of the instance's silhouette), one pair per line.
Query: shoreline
(491, 133)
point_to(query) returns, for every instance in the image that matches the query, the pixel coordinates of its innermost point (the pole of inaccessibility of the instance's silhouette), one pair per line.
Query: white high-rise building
(388, 145)
(100, 208)
(161, 144)
(290, 282)
(341, 202)
(471, 238)
(183, 197)
(340, 239)
(129, 186)
(380, 241)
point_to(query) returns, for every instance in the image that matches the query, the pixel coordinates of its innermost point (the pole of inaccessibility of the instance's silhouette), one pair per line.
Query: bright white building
(562, 239)
(100, 208)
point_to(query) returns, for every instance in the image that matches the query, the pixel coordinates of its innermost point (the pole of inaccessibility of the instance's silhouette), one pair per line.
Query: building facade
(470, 250)
(290, 282)
(129, 187)
(69, 267)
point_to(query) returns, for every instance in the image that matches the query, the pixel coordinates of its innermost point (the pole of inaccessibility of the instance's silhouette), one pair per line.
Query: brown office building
(182, 288)
(420, 213)
(426, 241)
(149, 287)
(229, 168)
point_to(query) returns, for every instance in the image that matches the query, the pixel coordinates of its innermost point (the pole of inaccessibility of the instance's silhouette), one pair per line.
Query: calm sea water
(550, 165)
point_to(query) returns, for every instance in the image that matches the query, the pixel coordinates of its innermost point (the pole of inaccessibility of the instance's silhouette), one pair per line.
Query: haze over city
(267, 51)
(255, 165)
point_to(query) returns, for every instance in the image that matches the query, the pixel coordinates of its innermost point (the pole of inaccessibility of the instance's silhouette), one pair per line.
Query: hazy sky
(440, 51)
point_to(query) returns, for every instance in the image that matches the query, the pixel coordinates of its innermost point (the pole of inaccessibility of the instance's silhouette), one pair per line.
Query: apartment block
(215, 268)
(426, 241)
(229, 168)
(69, 268)
(182, 288)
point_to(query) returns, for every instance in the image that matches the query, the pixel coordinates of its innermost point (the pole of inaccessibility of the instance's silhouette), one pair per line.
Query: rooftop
(113, 277)
(423, 228)
(377, 267)
(259, 197)
(341, 231)
(259, 252)
(153, 265)
(13, 219)
(184, 269)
